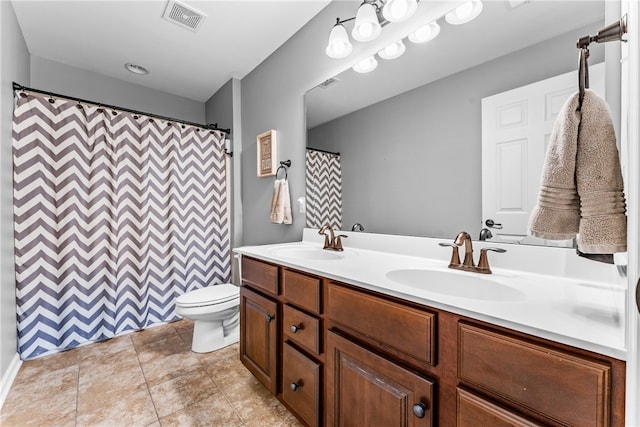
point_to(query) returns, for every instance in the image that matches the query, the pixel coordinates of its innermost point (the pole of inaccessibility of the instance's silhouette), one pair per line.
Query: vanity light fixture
(464, 13)
(399, 10)
(425, 33)
(366, 65)
(392, 51)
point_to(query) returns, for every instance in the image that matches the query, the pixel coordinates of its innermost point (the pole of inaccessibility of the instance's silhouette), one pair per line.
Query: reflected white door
(516, 126)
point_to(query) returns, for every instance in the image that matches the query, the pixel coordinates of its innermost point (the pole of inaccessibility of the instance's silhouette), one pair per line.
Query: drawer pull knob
(295, 386)
(296, 328)
(269, 318)
(420, 410)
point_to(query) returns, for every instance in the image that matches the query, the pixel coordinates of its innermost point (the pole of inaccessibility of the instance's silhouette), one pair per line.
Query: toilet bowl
(215, 311)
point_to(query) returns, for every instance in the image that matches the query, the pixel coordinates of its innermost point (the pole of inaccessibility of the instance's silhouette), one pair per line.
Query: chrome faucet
(331, 241)
(463, 238)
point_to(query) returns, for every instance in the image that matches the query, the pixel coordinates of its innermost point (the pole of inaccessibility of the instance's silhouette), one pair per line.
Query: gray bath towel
(582, 188)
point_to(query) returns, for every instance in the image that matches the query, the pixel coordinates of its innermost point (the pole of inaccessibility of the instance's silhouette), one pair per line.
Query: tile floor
(146, 378)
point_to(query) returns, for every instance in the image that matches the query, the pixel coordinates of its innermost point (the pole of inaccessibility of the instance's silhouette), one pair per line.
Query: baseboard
(8, 378)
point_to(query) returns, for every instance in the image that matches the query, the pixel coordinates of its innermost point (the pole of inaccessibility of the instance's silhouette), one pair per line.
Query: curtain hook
(51, 100)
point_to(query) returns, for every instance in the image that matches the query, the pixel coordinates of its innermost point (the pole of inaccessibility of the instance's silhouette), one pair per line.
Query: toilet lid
(214, 294)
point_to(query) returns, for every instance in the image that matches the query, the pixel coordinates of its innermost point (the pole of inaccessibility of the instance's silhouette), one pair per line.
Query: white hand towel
(281, 203)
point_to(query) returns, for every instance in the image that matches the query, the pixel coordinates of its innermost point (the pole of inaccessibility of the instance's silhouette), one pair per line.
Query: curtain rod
(213, 126)
(324, 151)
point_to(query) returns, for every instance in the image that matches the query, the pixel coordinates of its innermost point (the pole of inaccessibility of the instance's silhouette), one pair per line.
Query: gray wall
(70, 81)
(224, 108)
(412, 164)
(14, 67)
(273, 98)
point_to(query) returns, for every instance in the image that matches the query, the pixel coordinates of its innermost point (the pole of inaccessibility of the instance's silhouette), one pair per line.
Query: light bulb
(366, 65)
(366, 27)
(393, 50)
(425, 33)
(399, 10)
(464, 13)
(339, 45)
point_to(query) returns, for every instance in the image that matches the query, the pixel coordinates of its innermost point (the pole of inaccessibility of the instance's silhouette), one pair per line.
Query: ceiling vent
(183, 15)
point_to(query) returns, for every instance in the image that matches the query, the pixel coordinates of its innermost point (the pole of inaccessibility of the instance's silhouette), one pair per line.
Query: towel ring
(283, 166)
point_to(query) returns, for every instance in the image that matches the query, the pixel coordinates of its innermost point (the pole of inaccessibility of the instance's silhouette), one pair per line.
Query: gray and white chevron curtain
(116, 214)
(323, 189)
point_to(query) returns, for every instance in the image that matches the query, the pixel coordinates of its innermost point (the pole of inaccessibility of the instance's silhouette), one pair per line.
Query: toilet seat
(210, 295)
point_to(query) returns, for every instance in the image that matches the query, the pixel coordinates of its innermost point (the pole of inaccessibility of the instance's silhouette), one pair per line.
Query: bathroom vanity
(355, 339)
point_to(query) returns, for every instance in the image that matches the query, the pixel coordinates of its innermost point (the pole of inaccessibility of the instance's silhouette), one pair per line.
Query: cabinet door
(258, 337)
(364, 389)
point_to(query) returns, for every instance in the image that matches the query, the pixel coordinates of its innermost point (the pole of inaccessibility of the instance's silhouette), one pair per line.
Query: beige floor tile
(153, 334)
(149, 378)
(212, 411)
(49, 399)
(178, 393)
(133, 408)
(256, 403)
(102, 387)
(104, 350)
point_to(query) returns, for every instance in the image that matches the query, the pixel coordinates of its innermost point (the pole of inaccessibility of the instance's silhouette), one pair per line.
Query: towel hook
(283, 166)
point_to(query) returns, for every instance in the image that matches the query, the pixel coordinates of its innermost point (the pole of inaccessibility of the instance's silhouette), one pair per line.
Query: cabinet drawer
(301, 384)
(302, 290)
(474, 411)
(260, 274)
(301, 328)
(389, 325)
(567, 388)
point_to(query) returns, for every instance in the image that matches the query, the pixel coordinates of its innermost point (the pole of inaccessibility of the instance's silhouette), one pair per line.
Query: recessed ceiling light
(136, 69)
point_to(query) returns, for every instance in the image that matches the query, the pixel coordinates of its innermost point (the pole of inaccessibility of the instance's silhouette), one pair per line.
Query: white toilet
(215, 311)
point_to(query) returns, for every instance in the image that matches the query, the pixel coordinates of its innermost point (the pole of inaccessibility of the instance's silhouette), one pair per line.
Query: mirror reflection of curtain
(324, 189)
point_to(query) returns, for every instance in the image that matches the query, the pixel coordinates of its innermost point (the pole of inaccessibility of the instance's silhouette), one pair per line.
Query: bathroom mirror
(409, 133)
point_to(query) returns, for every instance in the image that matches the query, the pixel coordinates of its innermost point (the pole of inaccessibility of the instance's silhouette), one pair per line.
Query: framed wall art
(267, 153)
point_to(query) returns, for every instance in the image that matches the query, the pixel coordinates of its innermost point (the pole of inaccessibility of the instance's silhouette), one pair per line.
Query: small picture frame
(267, 153)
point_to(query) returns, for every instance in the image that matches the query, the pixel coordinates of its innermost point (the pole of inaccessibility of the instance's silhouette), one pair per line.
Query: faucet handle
(483, 263)
(455, 257)
(338, 242)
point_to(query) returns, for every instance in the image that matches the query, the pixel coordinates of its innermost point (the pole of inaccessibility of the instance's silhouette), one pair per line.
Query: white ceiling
(101, 36)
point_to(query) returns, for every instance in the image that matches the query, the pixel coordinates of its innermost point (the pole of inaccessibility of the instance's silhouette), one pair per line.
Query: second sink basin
(456, 284)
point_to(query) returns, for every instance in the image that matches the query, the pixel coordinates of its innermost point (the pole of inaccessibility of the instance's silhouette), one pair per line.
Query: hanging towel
(582, 189)
(281, 203)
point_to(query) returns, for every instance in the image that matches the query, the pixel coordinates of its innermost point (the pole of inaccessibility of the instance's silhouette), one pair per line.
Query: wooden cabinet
(339, 355)
(258, 337)
(281, 335)
(301, 386)
(566, 388)
(406, 332)
(474, 411)
(364, 389)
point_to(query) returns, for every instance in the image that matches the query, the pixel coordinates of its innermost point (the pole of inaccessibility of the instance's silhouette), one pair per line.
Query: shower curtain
(324, 189)
(115, 214)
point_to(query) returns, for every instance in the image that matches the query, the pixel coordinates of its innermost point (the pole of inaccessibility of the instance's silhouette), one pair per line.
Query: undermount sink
(306, 252)
(456, 284)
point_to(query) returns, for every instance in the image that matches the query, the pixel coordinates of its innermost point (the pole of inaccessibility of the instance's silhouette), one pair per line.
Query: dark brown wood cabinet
(365, 389)
(258, 337)
(339, 355)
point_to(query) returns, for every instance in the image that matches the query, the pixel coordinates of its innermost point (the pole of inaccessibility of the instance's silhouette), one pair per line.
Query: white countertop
(576, 311)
